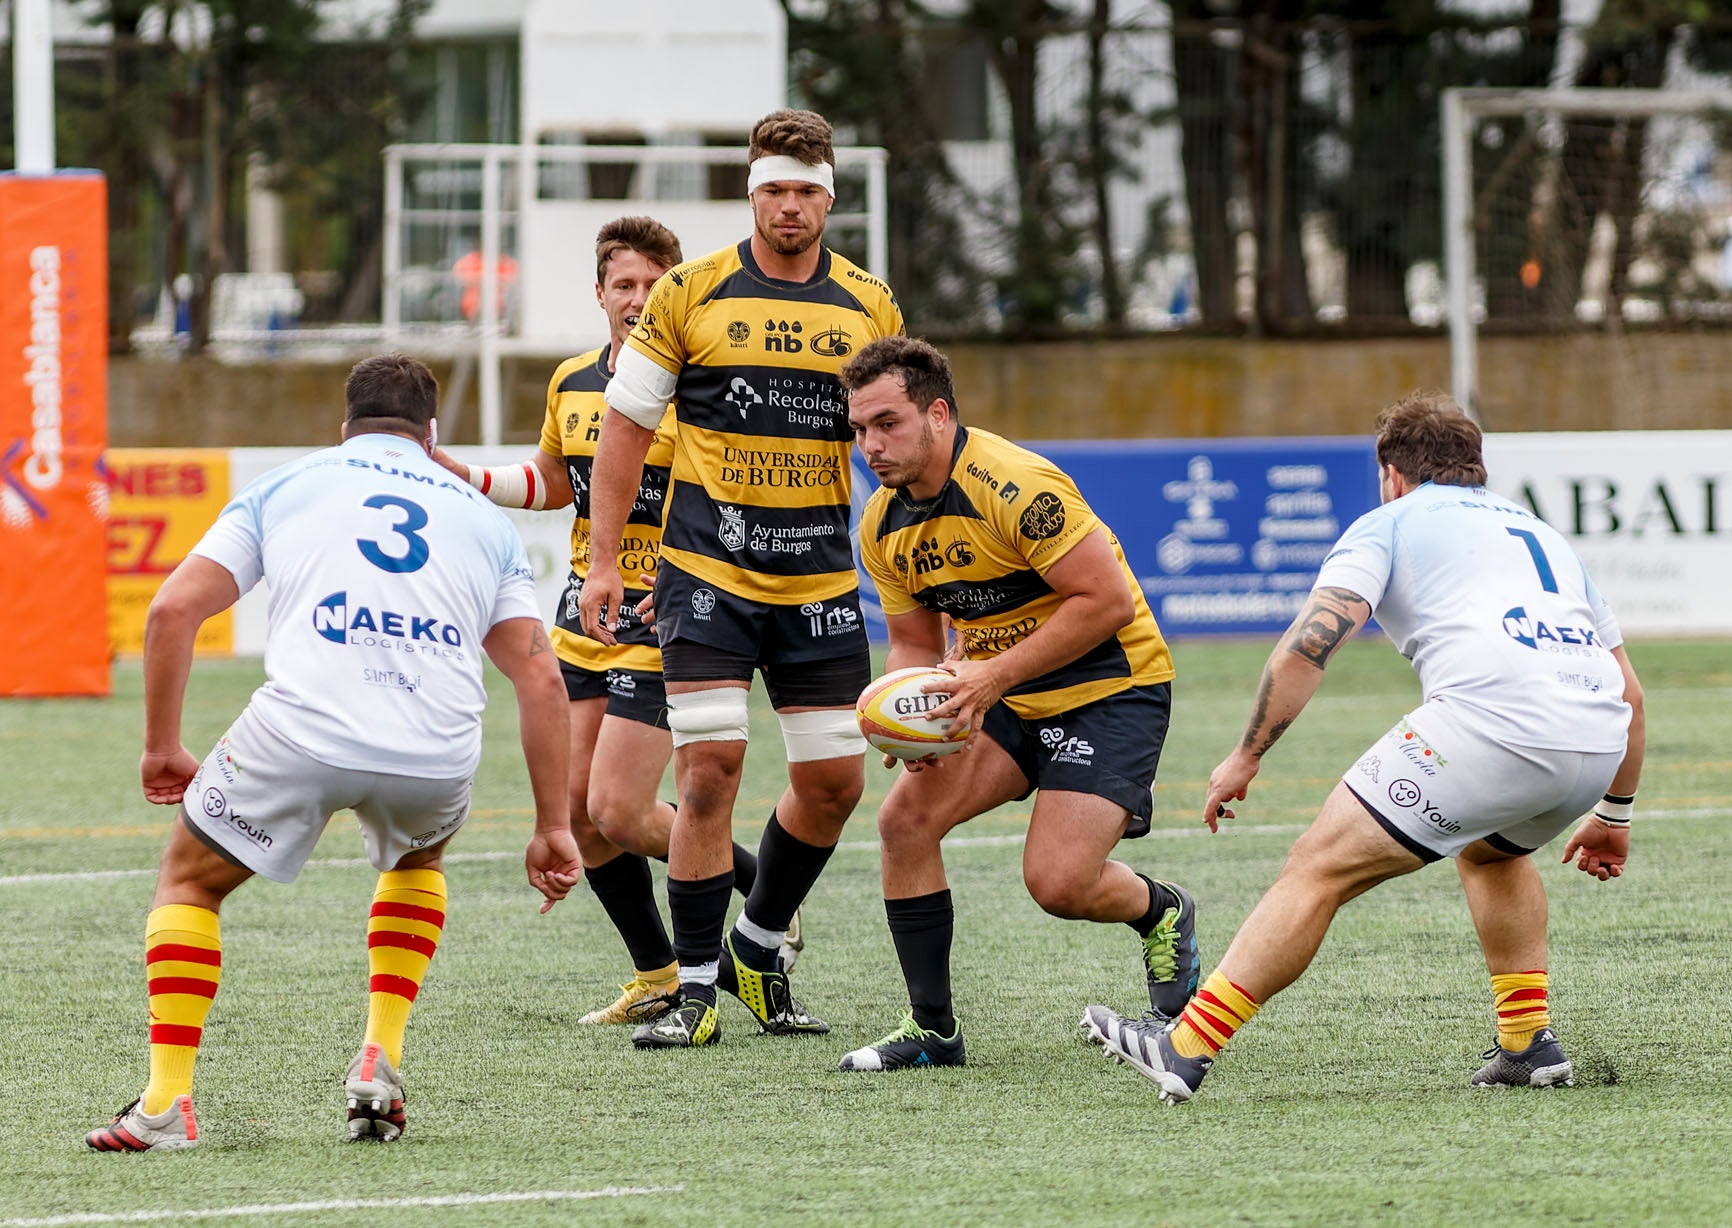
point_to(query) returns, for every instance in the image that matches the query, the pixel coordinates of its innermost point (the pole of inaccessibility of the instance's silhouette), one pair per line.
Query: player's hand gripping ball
(892, 714)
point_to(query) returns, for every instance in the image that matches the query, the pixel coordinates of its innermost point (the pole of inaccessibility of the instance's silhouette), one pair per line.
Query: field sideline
(1346, 1102)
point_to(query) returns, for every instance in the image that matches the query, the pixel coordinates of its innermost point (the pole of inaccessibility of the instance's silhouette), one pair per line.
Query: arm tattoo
(1260, 714)
(539, 643)
(1323, 624)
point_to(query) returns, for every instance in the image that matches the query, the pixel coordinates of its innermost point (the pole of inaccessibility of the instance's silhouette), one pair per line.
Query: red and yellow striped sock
(1210, 1019)
(1520, 1000)
(183, 960)
(402, 934)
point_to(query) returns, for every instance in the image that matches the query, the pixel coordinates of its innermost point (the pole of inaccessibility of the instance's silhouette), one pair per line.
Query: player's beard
(911, 469)
(784, 246)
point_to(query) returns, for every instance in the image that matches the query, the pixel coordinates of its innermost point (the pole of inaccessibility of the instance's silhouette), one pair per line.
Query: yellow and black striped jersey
(978, 552)
(571, 431)
(760, 502)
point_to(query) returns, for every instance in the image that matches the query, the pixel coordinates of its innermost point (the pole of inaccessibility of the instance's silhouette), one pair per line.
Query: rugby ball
(892, 714)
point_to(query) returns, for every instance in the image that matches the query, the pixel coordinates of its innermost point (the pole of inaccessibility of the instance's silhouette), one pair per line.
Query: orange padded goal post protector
(53, 430)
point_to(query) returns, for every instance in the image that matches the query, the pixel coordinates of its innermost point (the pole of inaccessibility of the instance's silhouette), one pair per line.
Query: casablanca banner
(53, 429)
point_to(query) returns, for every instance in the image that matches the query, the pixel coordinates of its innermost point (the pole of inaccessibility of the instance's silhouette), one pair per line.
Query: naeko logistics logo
(364, 627)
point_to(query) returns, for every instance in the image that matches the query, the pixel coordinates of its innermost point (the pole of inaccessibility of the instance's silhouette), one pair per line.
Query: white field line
(338, 1204)
(1230, 827)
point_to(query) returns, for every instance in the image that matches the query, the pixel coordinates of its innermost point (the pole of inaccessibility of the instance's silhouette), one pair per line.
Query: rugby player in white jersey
(1531, 714)
(388, 580)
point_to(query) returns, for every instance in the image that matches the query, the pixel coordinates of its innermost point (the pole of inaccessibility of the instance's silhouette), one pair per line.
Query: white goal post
(489, 250)
(1588, 215)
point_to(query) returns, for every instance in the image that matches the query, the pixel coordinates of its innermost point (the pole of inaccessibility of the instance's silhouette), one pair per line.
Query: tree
(193, 90)
(859, 63)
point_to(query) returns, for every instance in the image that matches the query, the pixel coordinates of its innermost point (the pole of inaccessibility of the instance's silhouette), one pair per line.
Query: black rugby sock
(699, 908)
(627, 895)
(787, 868)
(922, 927)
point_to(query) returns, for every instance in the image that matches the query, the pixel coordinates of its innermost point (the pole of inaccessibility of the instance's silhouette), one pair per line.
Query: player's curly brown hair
(1428, 438)
(643, 235)
(805, 135)
(919, 366)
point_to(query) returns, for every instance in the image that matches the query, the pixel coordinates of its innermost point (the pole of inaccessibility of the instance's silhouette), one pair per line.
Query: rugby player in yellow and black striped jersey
(1065, 682)
(620, 741)
(757, 571)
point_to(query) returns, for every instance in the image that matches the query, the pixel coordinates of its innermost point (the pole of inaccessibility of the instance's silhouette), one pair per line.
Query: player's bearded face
(789, 215)
(626, 287)
(899, 453)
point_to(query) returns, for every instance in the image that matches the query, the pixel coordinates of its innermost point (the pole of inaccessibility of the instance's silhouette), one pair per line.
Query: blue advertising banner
(1225, 535)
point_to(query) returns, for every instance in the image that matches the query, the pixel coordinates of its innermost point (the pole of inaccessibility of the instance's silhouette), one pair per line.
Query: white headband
(774, 168)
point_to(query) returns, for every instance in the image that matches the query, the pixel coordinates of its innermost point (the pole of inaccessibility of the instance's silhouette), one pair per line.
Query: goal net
(1588, 248)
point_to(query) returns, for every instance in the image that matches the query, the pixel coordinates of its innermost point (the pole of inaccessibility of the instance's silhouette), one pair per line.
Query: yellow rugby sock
(183, 961)
(1520, 1001)
(1220, 1009)
(402, 934)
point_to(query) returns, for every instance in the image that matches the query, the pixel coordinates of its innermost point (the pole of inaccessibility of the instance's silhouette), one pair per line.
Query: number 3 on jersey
(414, 556)
(1543, 565)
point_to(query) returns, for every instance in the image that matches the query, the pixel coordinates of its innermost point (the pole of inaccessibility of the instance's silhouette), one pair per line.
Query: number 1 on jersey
(1542, 564)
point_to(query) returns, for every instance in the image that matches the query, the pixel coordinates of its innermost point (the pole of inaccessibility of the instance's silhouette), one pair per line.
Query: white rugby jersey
(1496, 613)
(385, 574)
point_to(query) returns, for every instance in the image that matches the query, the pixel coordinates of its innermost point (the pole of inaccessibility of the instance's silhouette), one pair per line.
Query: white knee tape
(720, 714)
(829, 734)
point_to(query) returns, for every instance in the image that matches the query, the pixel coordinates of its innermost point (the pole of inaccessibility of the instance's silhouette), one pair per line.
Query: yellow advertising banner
(161, 501)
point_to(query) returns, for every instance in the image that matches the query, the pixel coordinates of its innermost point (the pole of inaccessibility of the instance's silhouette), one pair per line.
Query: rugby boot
(767, 996)
(173, 1129)
(1170, 957)
(646, 997)
(909, 1047)
(793, 942)
(1146, 1045)
(374, 1091)
(1541, 1064)
(692, 1023)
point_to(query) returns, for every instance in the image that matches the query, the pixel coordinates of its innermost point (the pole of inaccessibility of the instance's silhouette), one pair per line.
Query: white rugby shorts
(260, 799)
(1437, 785)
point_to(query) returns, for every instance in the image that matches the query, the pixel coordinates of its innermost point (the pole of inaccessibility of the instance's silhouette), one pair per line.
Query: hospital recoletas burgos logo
(742, 396)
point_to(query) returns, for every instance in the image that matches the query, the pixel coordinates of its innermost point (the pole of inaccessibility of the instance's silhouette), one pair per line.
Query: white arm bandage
(511, 485)
(640, 389)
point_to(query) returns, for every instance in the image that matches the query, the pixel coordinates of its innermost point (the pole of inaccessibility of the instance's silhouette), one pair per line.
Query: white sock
(699, 974)
(751, 930)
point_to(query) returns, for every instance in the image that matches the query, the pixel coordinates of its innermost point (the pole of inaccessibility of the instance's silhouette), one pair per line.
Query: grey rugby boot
(374, 1091)
(1146, 1046)
(1541, 1064)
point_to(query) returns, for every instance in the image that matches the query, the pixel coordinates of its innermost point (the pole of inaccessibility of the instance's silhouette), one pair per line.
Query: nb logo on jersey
(781, 337)
(927, 558)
